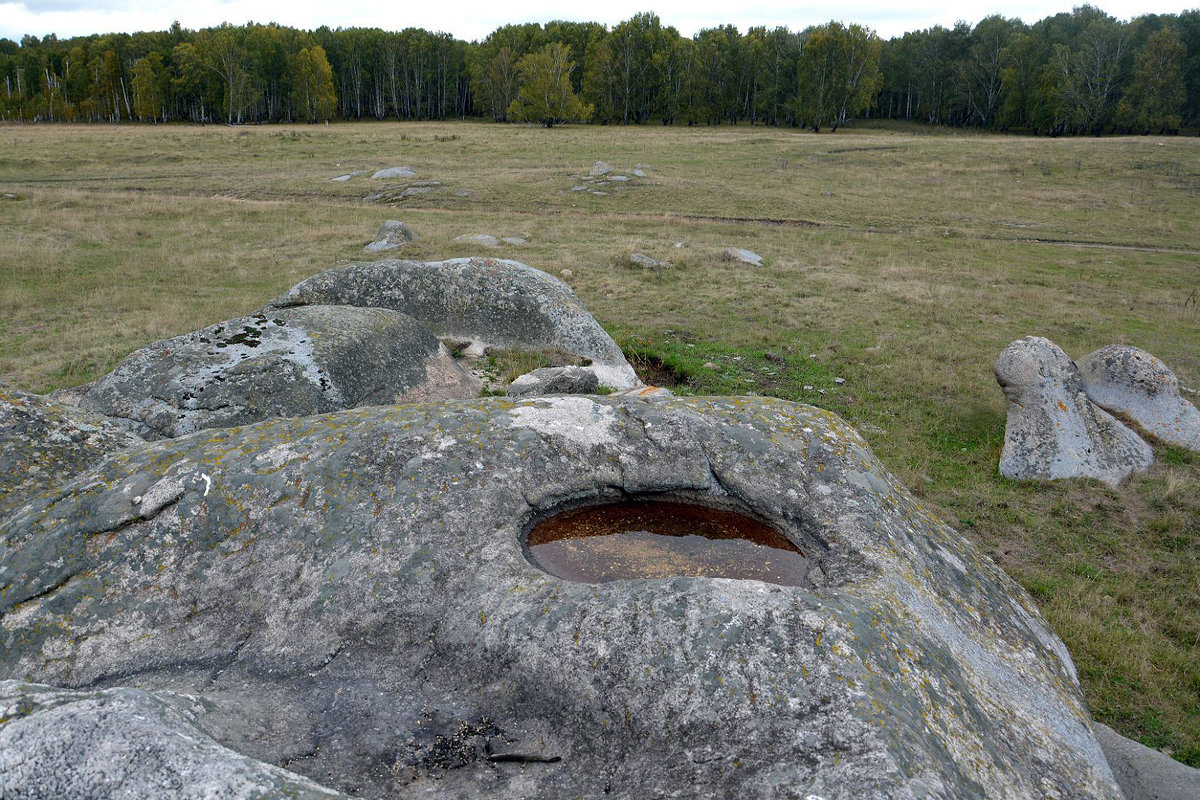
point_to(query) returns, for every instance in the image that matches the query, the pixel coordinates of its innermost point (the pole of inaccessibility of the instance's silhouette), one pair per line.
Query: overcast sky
(474, 19)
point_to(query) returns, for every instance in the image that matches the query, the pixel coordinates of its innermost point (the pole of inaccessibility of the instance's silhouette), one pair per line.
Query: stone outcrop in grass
(741, 255)
(43, 443)
(488, 302)
(349, 595)
(286, 363)
(395, 172)
(1132, 383)
(554, 380)
(392, 234)
(1053, 430)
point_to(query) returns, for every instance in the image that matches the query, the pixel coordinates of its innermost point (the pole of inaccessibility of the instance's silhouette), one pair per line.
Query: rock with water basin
(356, 596)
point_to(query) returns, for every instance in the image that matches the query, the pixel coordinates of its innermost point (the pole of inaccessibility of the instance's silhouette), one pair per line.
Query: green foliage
(1155, 97)
(839, 73)
(546, 95)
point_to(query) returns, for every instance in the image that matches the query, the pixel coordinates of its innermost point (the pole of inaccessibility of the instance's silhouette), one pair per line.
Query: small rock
(643, 260)
(709, 365)
(774, 357)
(566, 273)
(392, 234)
(481, 239)
(516, 241)
(1131, 382)
(639, 173)
(600, 194)
(580, 188)
(412, 191)
(808, 387)
(555, 380)
(349, 175)
(599, 169)
(462, 193)
(394, 172)
(839, 381)
(742, 255)
(1053, 430)
(677, 245)
(619, 178)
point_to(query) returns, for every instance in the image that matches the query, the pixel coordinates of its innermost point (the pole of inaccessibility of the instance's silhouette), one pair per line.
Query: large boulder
(554, 380)
(350, 595)
(491, 302)
(1134, 384)
(1053, 430)
(43, 443)
(122, 742)
(289, 363)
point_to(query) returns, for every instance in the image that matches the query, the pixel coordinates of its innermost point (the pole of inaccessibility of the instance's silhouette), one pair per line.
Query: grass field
(900, 260)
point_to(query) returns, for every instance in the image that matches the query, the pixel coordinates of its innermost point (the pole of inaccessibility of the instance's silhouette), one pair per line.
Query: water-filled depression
(662, 539)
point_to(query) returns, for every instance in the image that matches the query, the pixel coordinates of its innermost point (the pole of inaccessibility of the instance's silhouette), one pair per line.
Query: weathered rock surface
(1053, 430)
(742, 255)
(1145, 774)
(643, 260)
(349, 176)
(516, 241)
(599, 169)
(480, 239)
(392, 234)
(1129, 381)
(57, 744)
(348, 595)
(490, 302)
(554, 380)
(289, 363)
(43, 443)
(395, 172)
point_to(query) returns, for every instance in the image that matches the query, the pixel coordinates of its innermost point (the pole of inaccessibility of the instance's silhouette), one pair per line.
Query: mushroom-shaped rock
(1131, 382)
(122, 742)
(44, 443)
(554, 380)
(392, 234)
(354, 595)
(490, 302)
(286, 363)
(1053, 430)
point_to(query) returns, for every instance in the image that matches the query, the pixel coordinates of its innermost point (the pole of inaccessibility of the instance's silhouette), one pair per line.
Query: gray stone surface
(554, 380)
(285, 363)
(395, 172)
(1134, 384)
(44, 442)
(392, 234)
(1146, 774)
(480, 239)
(643, 260)
(742, 255)
(1053, 430)
(348, 594)
(349, 176)
(599, 169)
(516, 241)
(490, 302)
(57, 744)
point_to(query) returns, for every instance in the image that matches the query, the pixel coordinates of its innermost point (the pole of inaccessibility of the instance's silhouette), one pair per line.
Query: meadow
(901, 260)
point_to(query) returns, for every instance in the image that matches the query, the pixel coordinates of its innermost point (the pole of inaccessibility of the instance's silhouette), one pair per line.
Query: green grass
(900, 262)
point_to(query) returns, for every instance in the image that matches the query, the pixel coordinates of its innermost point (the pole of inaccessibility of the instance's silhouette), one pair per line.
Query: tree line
(1082, 72)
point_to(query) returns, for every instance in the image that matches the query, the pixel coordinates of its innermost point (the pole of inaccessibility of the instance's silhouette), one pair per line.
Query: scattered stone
(44, 443)
(1145, 774)
(1053, 430)
(618, 178)
(1135, 385)
(462, 193)
(840, 381)
(490, 302)
(479, 239)
(122, 742)
(709, 365)
(279, 363)
(599, 169)
(10, 196)
(599, 193)
(808, 387)
(349, 175)
(643, 260)
(744, 256)
(394, 172)
(516, 241)
(392, 234)
(566, 273)
(554, 380)
(639, 173)
(580, 188)
(774, 357)
(678, 245)
(413, 191)
(349, 594)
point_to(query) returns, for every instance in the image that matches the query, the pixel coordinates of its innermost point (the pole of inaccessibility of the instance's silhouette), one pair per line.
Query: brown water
(663, 539)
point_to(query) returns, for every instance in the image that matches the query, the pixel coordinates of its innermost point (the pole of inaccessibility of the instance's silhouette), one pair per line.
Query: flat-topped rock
(1132, 383)
(741, 255)
(489, 302)
(285, 363)
(554, 380)
(349, 595)
(392, 234)
(44, 442)
(480, 239)
(1053, 430)
(395, 172)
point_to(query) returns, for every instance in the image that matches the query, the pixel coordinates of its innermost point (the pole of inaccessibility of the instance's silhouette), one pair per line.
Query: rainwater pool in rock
(663, 539)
